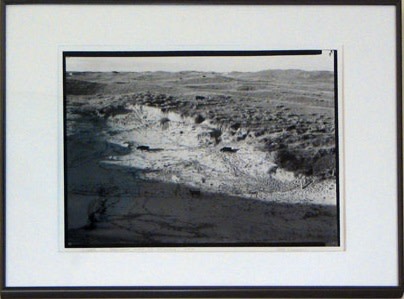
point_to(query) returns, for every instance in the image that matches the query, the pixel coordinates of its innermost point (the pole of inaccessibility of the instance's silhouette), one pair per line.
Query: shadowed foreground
(135, 212)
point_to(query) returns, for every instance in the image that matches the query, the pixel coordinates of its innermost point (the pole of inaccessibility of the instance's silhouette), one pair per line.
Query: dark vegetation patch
(199, 119)
(80, 87)
(114, 110)
(311, 162)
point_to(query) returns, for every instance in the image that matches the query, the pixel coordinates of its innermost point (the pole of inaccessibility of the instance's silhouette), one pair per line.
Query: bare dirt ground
(159, 158)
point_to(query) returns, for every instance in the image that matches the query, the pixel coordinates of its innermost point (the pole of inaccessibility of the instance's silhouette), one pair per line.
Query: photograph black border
(69, 54)
(197, 291)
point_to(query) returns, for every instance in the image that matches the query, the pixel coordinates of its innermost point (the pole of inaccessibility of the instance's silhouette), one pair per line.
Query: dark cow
(228, 149)
(143, 147)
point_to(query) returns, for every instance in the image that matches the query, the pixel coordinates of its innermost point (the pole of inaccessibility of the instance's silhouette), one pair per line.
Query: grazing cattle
(143, 147)
(228, 149)
(199, 97)
(195, 193)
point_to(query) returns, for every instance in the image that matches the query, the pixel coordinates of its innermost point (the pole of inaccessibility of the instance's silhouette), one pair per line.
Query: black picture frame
(200, 291)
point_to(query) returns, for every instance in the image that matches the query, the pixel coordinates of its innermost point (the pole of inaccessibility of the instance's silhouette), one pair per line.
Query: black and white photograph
(201, 149)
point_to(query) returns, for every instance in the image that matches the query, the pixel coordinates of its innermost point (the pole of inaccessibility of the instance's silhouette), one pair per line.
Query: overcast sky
(324, 61)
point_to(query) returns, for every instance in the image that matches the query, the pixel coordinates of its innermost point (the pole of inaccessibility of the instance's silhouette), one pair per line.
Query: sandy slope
(187, 155)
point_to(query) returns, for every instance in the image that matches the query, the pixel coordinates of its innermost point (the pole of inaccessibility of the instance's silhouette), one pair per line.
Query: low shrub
(310, 162)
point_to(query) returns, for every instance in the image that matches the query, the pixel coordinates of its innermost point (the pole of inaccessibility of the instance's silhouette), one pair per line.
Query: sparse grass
(309, 162)
(301, 137)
